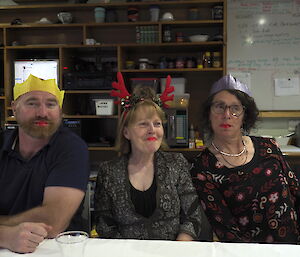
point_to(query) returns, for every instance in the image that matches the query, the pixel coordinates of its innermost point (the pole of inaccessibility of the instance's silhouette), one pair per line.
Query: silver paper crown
(229, 82)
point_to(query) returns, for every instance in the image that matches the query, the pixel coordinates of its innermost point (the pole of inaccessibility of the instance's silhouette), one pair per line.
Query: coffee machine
(177, 127)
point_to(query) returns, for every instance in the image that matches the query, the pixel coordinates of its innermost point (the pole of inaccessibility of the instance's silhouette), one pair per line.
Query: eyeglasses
(235, 110)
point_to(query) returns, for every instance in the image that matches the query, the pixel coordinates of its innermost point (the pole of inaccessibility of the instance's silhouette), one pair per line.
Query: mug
(65, 17)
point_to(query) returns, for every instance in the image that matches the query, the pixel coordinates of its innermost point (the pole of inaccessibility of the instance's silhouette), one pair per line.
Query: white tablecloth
(149, 248)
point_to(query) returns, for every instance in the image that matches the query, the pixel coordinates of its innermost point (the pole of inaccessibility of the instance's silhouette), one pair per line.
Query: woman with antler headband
(145, 193)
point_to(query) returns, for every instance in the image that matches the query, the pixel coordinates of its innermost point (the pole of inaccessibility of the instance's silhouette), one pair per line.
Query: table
(151, 248)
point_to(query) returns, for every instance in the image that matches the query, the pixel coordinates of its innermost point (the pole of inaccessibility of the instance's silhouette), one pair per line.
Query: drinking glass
(72, 243)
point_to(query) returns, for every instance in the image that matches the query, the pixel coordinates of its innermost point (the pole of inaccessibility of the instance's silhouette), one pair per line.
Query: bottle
(192, 137)
(206, 60)
(198, 141)
(200, 61)
(167, 34)
(216, 60)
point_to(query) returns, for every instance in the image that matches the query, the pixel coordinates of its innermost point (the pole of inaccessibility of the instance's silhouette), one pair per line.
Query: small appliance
(177, 128)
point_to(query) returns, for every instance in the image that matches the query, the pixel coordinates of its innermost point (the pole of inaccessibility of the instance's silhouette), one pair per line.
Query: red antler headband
(127, 100)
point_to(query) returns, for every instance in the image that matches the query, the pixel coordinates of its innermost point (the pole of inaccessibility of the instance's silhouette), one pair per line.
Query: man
(43, 168)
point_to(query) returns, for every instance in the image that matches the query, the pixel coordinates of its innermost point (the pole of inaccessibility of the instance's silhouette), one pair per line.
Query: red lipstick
(151, 138)
(225, 126)
(42, 123)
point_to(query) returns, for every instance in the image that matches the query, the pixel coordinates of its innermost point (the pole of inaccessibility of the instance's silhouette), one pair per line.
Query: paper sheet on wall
(244, 77)
(287, 86)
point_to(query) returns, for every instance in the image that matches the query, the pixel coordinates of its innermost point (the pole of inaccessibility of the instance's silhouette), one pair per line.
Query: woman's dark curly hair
(251, 112)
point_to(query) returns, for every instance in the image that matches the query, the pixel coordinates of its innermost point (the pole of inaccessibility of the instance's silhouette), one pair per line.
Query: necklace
(236, 165)
(230, 154)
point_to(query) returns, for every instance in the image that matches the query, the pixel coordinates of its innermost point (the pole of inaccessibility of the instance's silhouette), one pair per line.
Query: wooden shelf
(90, 116)
(87, 91)
(79, 6)
(279, 114)
(98, 148)
(172, 70)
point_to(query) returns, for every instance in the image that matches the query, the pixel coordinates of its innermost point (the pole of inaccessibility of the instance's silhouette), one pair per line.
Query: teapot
(65, 17)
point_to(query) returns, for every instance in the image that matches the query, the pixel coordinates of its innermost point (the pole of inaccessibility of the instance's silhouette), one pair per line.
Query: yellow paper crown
(33, 83)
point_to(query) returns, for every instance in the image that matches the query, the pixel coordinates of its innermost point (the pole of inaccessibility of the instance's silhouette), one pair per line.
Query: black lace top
(144, 201)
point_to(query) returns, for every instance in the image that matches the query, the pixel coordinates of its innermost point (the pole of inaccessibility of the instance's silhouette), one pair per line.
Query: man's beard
(40, 132)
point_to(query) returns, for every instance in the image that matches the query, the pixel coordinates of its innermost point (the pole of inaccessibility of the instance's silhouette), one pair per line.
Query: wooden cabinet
(116, 42)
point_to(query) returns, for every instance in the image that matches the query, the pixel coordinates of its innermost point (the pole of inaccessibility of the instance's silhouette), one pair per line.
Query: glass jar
(179, 37)
(133, 13)
(206, 60)
(163, 62)
(130, 65)
(190, 63)
(193, 14)
(216, 59)
(171, 64)
(179, 63)
(167, 34)
(143, 63)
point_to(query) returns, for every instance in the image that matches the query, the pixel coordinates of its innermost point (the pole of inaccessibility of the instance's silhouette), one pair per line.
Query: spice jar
(143, 63)
(179, 37)
(171, 64)
(163, 62)
(216, 59)
(193, 14)
(133, 13)
(179, 63)
(207, 60)
(130, 65)
(190, 63)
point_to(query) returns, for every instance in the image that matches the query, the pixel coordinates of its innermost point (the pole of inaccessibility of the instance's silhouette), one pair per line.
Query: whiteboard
(264, 47)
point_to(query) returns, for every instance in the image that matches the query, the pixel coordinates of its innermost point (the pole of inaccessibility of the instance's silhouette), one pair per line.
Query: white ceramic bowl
(167, 16)
(198, 38)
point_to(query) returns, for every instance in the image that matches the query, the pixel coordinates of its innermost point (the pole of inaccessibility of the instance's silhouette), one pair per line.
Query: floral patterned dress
(254, 202)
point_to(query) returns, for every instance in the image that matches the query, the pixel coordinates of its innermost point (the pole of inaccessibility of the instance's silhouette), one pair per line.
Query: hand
(184, 237)
(25, 237)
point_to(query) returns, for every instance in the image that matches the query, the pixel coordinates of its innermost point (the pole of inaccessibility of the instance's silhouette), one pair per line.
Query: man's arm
(57, 209)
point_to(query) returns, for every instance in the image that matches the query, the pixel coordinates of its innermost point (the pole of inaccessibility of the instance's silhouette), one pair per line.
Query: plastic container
(104, 106)
(143, 63)
(99, 14)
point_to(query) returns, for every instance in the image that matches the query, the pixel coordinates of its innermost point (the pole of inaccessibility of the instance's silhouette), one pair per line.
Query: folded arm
(23, 238)
(57, 209)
